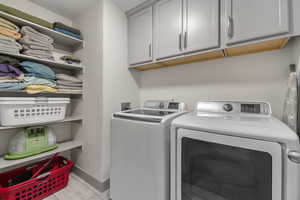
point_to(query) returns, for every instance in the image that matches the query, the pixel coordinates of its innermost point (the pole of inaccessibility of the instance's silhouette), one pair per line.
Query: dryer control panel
(234, 107)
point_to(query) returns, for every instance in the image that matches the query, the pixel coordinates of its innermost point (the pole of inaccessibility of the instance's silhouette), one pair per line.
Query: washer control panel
(164, 105)
(261, 108)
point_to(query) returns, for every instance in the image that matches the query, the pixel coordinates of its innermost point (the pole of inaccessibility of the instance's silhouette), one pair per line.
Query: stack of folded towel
(36, 44)
(38, 77)
(68, 83)
(62, 28)
(11, 77)
(9, 32)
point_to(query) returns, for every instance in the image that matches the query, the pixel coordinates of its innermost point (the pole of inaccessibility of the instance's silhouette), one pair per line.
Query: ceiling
(128, 4)
(71, 8)
(66, 8)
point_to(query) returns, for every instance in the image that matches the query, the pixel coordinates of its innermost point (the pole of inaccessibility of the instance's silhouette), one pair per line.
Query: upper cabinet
(253, 19)
(168, 28)
(184, 26)
(201, 24)
(140, 37)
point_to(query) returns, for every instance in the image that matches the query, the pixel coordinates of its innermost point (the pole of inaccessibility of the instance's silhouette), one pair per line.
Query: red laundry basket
(36, 188)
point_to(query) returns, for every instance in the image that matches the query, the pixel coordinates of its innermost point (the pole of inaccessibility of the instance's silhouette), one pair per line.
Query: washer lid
(240, 125)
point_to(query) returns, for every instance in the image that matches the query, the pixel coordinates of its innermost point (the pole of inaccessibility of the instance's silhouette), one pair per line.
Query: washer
(232, 151)
(140, 151)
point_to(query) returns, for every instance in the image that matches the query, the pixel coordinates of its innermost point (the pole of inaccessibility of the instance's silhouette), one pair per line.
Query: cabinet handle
(150, 50)
(185, 40)
(179, 41)
(230, 27)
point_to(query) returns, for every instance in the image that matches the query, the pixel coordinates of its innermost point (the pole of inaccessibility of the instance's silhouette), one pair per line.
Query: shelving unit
(68, 119)
(62, 147)
(58, 37)
(46, 62)
(63, 42)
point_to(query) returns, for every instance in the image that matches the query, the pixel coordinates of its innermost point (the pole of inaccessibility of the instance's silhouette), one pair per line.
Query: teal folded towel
(37, 70)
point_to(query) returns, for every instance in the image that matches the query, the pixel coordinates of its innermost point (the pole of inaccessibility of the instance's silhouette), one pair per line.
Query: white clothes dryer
(233, 151)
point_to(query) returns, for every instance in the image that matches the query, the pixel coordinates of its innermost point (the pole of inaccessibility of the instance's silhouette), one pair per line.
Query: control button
(228, 107)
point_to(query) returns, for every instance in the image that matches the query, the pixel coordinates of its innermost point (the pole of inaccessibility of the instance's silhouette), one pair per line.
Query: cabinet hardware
(185, 40)
(294, 156)
(180, 42)
(230, 27)
(150, 50)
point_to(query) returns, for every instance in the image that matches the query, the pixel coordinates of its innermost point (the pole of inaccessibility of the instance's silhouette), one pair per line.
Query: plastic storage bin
(19, 111)
(36, 188)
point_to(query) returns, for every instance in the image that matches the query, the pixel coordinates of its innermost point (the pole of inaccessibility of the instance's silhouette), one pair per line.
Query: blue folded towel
(12, 86)
(37, 70)
(68, 33)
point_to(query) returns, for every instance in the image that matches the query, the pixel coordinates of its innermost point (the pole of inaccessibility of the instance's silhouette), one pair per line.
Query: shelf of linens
(67, 119)
(59, 38)
(44, 61)
(59, 92)
(62, 147)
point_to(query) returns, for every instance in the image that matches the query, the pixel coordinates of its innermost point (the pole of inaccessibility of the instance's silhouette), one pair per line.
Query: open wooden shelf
(49, 63)
(59, 38)
(63, 147)
(67, 119)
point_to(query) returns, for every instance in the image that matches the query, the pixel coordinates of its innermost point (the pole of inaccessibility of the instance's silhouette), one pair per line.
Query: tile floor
(76, 190)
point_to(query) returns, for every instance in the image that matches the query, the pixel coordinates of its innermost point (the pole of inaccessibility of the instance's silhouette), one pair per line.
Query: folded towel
(66, 77)
(34, 34)
(37, 70)
(12, 86)
(37, 47)
(27, 40)
(10, 33)
(9, 50)
(68, 83)
(34, 89)
(8, 70)
(13, 46)
(9, 60)
(65, 27)
(25, 16)
(4, 38)
(70, 90)
(7, 24)
(68, 33)
(39, 54)
(32, 80)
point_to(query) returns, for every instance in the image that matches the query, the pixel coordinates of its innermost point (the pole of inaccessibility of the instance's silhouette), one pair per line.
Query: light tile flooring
(77, 189)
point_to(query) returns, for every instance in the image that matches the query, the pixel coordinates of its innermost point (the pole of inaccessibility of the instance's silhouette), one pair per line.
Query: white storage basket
(20, 111)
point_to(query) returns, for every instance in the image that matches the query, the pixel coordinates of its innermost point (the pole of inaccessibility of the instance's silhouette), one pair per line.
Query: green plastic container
(31, 141)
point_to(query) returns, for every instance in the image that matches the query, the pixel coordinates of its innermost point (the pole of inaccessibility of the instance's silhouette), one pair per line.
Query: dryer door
(221, 167)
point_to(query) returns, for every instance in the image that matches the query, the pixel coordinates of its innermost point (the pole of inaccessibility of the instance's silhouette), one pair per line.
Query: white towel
(291, 102)
(34, 34)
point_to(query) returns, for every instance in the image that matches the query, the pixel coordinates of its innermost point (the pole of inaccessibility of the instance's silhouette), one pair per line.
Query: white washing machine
(140, 151)
(233, 151)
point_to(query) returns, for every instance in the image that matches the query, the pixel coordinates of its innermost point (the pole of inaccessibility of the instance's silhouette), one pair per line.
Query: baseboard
(101, 187)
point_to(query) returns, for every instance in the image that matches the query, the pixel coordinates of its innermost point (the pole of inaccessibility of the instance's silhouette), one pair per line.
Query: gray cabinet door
(253, 19)
(201, 24)
(140, 37)
(168, 26)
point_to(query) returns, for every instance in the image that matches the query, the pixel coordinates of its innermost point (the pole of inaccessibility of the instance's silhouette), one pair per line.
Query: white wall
(259, 77)
(36, 10)
(91, 55)
(119, 84)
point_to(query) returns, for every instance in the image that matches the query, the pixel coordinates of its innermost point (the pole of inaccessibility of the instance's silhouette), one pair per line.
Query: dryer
(141, 151)
(232, 151)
